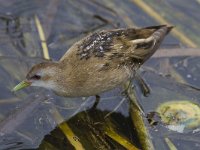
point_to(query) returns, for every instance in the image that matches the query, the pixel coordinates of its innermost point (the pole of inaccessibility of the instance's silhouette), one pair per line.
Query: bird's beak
(21, 85)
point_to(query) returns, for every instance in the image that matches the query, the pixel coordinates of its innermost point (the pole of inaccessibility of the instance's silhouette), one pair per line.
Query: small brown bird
(97, 63)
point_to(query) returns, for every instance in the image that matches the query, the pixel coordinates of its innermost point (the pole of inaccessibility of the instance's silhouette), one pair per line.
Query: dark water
(29, 118)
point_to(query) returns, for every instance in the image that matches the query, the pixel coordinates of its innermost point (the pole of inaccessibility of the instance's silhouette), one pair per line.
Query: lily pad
(180, 115)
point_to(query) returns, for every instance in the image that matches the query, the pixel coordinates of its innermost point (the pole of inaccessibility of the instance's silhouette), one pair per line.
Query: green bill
(21, 85)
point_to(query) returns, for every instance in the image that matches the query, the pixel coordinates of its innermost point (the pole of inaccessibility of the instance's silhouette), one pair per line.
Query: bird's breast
(92, 79)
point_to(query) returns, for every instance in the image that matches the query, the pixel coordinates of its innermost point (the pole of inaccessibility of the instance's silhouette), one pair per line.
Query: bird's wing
(124, 45)
(135, 46)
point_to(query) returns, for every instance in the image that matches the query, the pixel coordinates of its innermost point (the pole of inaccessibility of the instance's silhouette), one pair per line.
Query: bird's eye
(36, 77)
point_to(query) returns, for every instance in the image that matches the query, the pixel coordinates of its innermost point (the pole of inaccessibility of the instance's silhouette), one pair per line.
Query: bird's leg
(124, 92)
(96, 102)
(143, 85)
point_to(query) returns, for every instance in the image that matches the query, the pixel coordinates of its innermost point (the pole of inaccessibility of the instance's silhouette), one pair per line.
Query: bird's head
(41, 75)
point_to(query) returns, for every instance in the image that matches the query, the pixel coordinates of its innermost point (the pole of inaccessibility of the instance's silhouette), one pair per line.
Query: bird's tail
(145, 48)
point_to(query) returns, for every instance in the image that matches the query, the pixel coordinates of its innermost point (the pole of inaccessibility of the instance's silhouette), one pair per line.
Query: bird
(97, 63)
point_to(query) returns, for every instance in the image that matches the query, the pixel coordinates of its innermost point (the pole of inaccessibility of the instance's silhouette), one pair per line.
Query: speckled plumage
(99, 62)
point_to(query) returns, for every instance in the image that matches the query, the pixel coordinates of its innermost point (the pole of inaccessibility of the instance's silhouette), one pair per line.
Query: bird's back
(123, 45)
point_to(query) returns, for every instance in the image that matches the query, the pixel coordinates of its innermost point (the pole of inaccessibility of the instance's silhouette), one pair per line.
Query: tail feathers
(160, 33)
(159, 27)
(169, 28)
(145, 48)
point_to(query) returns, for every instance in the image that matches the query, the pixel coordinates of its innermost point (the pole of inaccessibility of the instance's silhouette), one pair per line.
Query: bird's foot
(96, 102)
